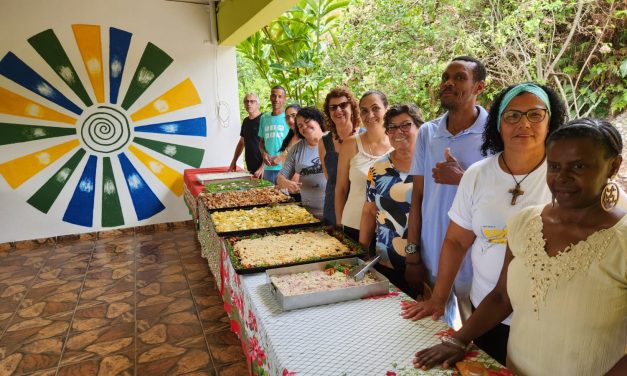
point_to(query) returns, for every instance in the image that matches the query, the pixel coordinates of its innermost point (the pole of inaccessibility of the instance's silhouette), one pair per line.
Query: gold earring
(609, 196)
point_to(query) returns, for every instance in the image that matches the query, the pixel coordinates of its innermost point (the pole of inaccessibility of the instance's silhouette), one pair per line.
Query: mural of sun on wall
(97, 132)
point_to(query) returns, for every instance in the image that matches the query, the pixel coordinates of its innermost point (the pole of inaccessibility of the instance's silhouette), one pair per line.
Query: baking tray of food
(259, 219)
(236, 185)
(244, 199)
(275, 249)
(310, 285)
(212, 177)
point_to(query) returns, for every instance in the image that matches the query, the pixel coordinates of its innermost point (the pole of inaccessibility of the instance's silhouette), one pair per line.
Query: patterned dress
(390, 190)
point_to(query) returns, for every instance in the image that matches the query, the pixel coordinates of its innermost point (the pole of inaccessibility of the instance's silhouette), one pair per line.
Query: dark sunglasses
(333, 107)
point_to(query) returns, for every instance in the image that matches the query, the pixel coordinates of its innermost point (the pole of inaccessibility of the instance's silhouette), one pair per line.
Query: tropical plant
(289, 51)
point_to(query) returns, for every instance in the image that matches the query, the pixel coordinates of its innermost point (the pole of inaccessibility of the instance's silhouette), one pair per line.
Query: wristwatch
(411, 248)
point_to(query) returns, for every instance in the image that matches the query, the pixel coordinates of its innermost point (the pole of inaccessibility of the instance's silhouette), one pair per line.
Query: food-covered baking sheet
(288, 301)
(352, 248)
(243, 199)
(260, 219)
(236, 185)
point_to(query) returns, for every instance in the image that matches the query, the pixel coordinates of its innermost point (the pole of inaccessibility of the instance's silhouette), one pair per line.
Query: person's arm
(368, 224)
(342, 184)
(415, 271)
(322, 152)
(287, 172)
(454, 248)
(264, 153)
(619, 369)
(238, 151)
(492, 310)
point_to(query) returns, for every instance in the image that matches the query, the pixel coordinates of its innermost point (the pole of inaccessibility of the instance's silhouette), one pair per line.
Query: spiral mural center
(105, 129)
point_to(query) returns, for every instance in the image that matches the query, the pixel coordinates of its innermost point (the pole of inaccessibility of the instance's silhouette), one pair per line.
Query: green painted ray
(48, 193)
(18, 133)
(50, 49)
(152, 63)
(111, 210)
(186, 154)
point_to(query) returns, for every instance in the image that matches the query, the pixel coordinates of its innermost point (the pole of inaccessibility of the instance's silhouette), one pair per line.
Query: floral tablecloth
(360, 337)
(210, 242)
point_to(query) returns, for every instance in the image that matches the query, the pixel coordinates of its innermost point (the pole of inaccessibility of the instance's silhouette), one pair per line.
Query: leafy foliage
(402, 46)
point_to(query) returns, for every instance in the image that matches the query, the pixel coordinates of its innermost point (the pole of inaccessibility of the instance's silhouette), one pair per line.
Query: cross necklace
(516, 191)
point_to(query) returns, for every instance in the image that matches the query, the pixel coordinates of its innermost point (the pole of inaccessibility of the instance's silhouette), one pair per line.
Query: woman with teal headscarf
(491, 190)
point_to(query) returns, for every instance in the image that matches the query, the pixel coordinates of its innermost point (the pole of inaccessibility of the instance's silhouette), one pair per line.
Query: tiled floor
(143, 304)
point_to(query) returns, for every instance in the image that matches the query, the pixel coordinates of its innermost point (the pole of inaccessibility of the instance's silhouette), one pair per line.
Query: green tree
(290, 50)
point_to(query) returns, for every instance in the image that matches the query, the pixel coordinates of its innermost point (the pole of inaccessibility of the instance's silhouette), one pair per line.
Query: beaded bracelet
(455, 342)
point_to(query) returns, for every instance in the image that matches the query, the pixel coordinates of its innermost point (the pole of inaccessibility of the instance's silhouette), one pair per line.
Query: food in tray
(255, 196)
(288, 248)
(261, 217)
(471, 368)
(204, 178)
(236, 185)
(331, 278)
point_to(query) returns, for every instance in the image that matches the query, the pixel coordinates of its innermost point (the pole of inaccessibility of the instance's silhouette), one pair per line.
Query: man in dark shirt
(249, 138)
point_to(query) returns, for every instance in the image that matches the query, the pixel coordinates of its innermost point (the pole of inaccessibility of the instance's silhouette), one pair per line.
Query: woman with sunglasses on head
(357, 154)
(303, 159)
(565, 270)
(490, 191)
(342, 120)
(388, 195)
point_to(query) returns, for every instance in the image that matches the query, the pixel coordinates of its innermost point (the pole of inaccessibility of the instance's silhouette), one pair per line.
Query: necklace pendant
(516, 191)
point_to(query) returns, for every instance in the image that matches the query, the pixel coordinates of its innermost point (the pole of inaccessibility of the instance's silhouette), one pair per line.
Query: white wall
(179, 29)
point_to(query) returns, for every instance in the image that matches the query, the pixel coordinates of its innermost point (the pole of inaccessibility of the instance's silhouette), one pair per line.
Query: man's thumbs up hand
(449, 171)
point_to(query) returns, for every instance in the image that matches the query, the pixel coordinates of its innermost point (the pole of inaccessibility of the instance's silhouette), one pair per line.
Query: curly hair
(339, 92)
(492, 141)
(398, 109)
(313, 114)
(601, 131)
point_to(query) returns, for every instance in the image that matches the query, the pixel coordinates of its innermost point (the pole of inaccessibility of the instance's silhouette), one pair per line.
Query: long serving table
(359, 337)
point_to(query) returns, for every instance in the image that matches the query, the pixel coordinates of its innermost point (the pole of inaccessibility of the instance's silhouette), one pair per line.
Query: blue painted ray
(188, 127)
(145, 201)
(80, 210)
(17, 71)
(119, 41)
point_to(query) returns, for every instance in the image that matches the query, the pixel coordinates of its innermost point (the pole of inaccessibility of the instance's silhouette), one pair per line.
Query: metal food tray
(215, 177)
(260, 229)
(289, 302)
(257, 183)
(290, 200)
(240, 269)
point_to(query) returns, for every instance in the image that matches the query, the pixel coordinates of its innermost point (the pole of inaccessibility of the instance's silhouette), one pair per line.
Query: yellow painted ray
(14, 104)
(180, 96)
(18, 170)
(89, 44)
(168, 176)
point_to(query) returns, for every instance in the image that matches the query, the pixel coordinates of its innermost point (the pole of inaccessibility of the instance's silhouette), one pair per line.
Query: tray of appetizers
(321, 283)
(236, 185)
(239, 222)
(256, 253)
(243, 199)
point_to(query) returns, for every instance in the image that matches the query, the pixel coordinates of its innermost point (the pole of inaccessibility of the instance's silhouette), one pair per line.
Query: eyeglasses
(333, 107)
(535, 115)
(405, 127)
(250, 101)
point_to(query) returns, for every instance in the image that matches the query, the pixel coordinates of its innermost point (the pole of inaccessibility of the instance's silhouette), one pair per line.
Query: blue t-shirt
(273, 130)
(437, 199)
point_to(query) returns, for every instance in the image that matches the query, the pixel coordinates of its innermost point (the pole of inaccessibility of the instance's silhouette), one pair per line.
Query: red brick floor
(143, 304)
